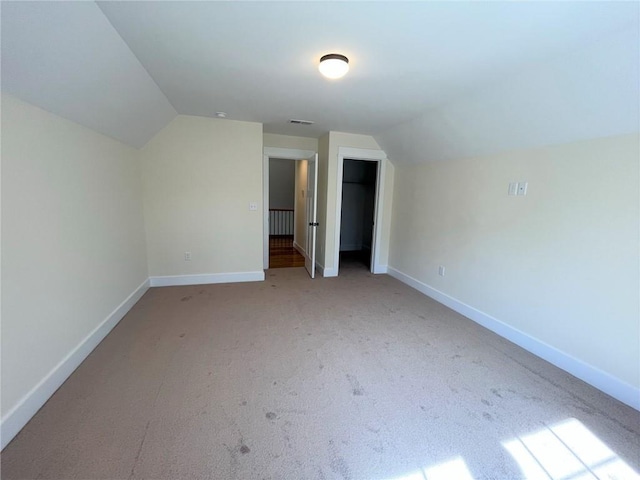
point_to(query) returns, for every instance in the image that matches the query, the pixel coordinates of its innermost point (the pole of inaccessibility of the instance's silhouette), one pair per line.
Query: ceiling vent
(301, 122)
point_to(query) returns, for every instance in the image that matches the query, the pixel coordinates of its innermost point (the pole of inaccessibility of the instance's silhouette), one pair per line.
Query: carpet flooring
(355, 377)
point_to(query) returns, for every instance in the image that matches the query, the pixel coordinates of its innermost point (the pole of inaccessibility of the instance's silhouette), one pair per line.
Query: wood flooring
(282, 254)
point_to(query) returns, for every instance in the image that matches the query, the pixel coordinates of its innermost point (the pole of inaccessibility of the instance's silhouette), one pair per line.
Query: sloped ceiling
(447, 78)
(590, 93)
(66, 58)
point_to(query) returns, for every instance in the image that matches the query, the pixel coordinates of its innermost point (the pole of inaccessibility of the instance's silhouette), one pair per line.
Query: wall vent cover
(301, 122)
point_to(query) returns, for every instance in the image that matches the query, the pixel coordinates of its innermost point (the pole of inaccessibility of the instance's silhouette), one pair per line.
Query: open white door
(312, 222)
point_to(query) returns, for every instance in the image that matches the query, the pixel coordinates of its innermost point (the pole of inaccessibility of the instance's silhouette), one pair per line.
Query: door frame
(267, 153)
(380, 157)
(311, 215)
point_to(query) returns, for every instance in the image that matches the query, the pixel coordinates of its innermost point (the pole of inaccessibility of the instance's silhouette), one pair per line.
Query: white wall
(282, 173)
(289, 141)
(300, 233)
(560, 265)
(199, 176)
(73, 250)
(323, 186)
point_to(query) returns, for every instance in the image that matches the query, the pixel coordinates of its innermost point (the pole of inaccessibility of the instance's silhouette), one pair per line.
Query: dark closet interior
(357, 216)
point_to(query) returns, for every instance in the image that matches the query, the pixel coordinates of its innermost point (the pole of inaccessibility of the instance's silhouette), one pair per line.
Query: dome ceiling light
(334, 65)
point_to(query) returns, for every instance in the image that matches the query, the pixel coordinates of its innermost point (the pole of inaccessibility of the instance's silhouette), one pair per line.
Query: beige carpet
(357, 377)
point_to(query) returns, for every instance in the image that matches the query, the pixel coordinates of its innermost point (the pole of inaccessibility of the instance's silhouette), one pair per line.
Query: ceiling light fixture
(296, 121)
(334, 65)
(221, 114)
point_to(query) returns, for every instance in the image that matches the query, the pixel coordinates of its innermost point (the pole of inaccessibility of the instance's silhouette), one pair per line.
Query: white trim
(28, 405)
(380, 157)
(232, 277)
(299, 248)
(288, 153)
(329, 272)
(265, 212)
(361, 153)
(326, 272)
(599, 379)
(379, 211)
(381, 269)
(311, 215)
(267, 153)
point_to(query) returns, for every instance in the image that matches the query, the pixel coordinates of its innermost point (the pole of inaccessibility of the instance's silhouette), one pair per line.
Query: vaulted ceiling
(449, 78)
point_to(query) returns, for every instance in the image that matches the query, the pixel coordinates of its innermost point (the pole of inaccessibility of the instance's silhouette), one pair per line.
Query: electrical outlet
(253, 206)
(441, 271)
(187, 256)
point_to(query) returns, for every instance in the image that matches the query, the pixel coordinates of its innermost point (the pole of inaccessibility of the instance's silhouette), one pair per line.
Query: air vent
(301, 122)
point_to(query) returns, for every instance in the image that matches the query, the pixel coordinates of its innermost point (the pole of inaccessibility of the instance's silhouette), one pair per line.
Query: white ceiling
(590, 93)
(121, 68)
(66, 58)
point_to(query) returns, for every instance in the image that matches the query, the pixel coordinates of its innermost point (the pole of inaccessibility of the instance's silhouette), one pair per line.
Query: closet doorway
(357, 219)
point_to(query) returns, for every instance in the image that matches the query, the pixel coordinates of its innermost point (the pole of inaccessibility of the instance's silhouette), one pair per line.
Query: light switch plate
(513, 188)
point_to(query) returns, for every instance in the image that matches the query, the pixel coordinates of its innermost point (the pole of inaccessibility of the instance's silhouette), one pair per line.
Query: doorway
(357, 219)
(283, 213)
(289, 232)
(379, 159)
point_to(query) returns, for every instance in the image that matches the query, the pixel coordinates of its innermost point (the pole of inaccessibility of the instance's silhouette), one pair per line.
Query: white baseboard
(325, 272)
(329, 272)
(28, 405)
(380, 269)
(299, 249)
(593, 376)
(233, 277)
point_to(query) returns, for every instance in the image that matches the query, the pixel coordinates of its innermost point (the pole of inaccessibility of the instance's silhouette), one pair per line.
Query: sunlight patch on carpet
(567, 450)
(451, 469)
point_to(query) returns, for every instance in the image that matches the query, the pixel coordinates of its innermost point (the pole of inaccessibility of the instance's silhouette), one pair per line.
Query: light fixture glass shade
(334, 65)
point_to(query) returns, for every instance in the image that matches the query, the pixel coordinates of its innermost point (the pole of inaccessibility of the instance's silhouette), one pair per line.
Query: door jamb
(380, 157)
